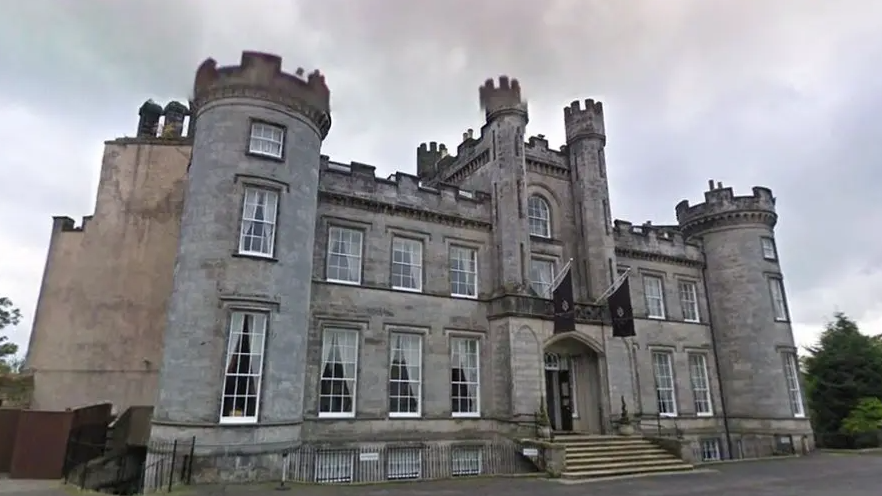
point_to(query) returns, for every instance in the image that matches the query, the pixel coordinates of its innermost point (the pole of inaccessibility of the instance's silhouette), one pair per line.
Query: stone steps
(609, 456)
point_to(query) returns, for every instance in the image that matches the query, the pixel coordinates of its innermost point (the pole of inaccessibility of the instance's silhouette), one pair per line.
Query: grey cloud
(750, 92)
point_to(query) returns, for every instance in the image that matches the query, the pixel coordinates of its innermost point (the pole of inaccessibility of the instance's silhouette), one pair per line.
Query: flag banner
(564, 306)
(621, 311)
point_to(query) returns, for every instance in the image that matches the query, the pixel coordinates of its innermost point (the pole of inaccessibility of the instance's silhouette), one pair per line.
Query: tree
(841, 370)
(9, 316)
(865, 417)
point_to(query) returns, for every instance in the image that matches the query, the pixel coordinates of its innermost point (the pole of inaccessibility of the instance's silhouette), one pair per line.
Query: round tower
(238, 316)
(506, 122)
(745, 295)
(586, 142)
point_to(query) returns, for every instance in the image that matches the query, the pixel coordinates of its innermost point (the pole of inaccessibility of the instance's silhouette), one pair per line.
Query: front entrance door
(558, 392)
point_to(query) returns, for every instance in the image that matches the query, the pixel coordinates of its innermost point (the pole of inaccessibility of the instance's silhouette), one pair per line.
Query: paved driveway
(817, 475)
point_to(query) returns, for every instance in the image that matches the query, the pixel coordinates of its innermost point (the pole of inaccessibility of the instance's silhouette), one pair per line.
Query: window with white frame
(539, 216)
(404, 463)
(541, 276)
(344, 255)
(769, 251)
(339, 376)
(267, 140)
(465, 377)
(700, 384)
(653, 293)
(405, 375)
(240, 400)
(791, 374)
(710, 450)
(776, 288)
(258, 230)
(407, 264)
(663, 370)
(466, 461)
(334, 466)
(463, 272)
(689, 300)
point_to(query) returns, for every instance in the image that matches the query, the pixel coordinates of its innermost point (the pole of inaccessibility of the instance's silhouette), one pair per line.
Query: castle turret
(238, 315)
(586, 139)
(745, 294)
(507, 119)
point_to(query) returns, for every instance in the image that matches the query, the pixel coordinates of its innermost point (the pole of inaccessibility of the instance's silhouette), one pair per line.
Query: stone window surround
(329, 221)
(790, 362)
(767, 245)
(777, 278)
(330, 243)
(671, 352)
(478, 339)
(695, 293)
(707, 377)
(358, 331)
(266, 156)
(422, 239)
(549, 227)
(422, 333)
(235, 306)
(478, 246)
(660, 276)
(245, 182)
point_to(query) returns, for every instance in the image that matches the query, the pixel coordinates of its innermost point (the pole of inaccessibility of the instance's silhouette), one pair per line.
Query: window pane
(344, 255)
(244, 366)
(407, 264)
(405, 375)
(258, 228)
(463, 271)
(465, 377)
(337, 385)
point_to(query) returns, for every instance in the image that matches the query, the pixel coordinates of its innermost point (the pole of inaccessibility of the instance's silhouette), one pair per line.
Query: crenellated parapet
(259, 75)
(584, 122)
(357, 185)
(502, 98)
(721, 208)
(660, 243)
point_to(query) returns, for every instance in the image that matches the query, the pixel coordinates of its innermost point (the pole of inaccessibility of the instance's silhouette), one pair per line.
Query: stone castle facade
(261, 295)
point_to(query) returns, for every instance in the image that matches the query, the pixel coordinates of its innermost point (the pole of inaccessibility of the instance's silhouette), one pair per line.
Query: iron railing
(84, 443)
(168, 464)
(358, 464)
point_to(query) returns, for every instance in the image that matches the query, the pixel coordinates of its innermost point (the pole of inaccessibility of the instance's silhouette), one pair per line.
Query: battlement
(721, 204)
(504, 97)
(584, 122)
(428, 156)
(359, 181)
(647, 239)
(259, 75)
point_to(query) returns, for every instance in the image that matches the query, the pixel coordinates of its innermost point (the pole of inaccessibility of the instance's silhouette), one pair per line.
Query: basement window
(404, 463)
(334, 466)
(466, 461)
(710, 450)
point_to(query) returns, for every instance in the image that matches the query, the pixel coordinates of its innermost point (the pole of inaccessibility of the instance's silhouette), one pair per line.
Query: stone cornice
(419, 214)
(728, 219)
(319, 117)
(658, 257)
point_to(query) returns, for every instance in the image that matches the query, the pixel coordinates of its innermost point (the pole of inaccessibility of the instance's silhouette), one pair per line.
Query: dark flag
(621, 311)
(564, 306)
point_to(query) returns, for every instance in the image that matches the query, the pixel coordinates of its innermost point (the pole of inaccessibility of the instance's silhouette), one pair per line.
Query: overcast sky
(781, 93)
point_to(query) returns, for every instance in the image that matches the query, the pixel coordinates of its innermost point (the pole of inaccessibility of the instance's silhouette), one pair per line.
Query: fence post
(190, 460)
(171, 472)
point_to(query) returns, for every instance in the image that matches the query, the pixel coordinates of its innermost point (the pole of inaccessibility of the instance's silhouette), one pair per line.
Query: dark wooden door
(551, 401)
(566, 400)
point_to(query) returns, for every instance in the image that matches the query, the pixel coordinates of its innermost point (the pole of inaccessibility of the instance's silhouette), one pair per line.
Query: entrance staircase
(589, 456)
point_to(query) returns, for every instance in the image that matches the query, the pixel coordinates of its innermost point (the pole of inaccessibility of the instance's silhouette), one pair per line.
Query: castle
(259, 294)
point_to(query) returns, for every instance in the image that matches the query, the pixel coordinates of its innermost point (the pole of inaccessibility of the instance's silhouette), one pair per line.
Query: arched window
(539, 217)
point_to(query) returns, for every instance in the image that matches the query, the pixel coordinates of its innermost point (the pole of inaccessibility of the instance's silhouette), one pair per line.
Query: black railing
(86, 442)
(168, 464)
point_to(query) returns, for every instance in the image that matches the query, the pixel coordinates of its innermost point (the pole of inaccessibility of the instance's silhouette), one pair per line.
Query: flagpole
(627, 344)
